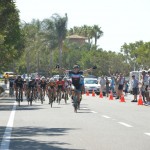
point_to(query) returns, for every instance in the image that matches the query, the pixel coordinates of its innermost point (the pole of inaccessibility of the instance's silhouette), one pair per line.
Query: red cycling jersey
(60, 83)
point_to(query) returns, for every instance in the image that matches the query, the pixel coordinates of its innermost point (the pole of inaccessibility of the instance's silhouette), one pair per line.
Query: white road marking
(93, 112)
(147, 134)
(125, 124)
(7, 135)
(84, 108)
(105, 116)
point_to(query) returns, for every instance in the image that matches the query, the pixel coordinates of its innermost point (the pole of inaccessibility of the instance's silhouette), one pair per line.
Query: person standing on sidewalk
(121, 81)
(103, 85)
(145, 83)
(135, 84)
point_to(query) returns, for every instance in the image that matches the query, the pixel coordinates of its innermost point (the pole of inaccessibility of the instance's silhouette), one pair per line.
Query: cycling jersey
(76, 77)
(51, 84)
(19, 83)
(31, 84)
(42, 84)
(60, 83)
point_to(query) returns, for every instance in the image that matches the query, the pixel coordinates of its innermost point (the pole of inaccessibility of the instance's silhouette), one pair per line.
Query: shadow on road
(21, 107)
(23, 138)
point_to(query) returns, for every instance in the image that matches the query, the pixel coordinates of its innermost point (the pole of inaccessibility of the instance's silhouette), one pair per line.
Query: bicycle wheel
(65, 97)
(59, 97)
(75, 103)
(41, 96)
(31, 98)
(19, 97)
(52, 98)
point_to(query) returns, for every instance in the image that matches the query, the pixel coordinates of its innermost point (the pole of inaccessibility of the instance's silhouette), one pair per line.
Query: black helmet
(76, 66)
(60, 78)
(19, 77)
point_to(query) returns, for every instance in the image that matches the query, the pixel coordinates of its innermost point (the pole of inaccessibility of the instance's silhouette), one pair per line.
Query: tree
(61, 30)
(11, 39)
(96, 33)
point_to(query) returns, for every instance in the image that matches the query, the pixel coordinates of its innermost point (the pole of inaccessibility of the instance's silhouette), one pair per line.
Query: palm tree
(97, 33)
(61, 31)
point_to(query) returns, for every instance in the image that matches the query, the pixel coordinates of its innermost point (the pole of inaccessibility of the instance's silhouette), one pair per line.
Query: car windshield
(91, 82)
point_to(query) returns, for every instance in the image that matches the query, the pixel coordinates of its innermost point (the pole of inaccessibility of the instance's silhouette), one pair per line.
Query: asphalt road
(100, 124)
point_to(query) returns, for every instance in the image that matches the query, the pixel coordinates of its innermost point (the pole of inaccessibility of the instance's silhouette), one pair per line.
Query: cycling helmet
(65, 78)
(55, 79)
(76, 66)
(60, 78)
(19, 77)
(51, 80)
(42, 78)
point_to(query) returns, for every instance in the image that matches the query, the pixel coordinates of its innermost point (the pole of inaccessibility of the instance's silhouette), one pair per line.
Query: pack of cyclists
(55, 88)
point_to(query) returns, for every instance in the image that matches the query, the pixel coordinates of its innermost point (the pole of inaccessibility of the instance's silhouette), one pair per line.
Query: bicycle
(65, 96)
(51, 97)
(30, 96)
(19, 96)
(59, 95)
(42, 95)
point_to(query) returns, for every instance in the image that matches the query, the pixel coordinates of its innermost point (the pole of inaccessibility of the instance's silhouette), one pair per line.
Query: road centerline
(125, 124)
(105, 116)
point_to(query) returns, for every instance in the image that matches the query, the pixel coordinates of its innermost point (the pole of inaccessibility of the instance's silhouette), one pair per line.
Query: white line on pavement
(147, 134)
(7, 135)
(84, 108)
(125, 124)
(105, 116)
(93, 112)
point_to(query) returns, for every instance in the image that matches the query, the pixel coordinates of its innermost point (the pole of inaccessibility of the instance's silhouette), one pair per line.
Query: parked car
(91, 84)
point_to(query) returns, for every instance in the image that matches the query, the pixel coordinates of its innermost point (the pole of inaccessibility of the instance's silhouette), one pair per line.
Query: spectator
(126, 87)
(107, 86)
(135, 84)
(145, 83)
(149, 85)
(112, 84)
(116, 85)
(121, 81)
(103, 84)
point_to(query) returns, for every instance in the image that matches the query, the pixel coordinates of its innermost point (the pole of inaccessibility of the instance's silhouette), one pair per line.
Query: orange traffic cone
(87, 93)
(101, 95)
(140, 101)
(93, 93)
(122, 98)
(111, 96)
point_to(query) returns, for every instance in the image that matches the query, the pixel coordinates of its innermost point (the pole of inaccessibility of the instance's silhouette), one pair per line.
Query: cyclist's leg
(16, 93)
(21, 90)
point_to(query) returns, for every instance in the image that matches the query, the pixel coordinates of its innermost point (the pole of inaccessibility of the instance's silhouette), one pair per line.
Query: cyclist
(60, 86)
(66, 86)
(75, 75)
(19, 84)
(31, 86)
(43, 84)
(51, 87)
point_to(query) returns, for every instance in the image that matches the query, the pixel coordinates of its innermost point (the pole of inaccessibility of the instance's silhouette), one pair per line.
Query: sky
(122, 21)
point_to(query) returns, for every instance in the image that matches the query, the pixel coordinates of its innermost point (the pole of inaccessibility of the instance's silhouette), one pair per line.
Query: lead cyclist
(76, 75)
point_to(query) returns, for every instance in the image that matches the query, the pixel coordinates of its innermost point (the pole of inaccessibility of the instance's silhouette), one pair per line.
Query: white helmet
(65, 78)
(51, 80)
(55, 79)
(42, 78)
